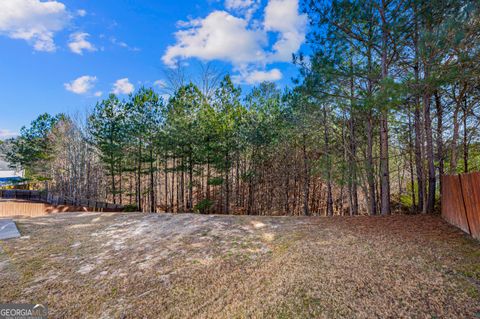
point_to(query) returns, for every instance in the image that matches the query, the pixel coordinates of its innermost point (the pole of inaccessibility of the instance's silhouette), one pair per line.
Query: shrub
(203, 206)
(130, 208)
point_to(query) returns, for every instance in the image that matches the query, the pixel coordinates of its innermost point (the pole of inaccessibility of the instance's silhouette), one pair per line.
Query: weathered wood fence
(461, 202)
(45, 197)
(13, 208)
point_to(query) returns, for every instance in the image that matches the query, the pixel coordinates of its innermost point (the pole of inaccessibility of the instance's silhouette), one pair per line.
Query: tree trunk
(440, 155)
(112, 173)
(237, 180)
(372, 203)
(455, 135)
(327, 154)
(227, 185)
(384, 153)
(190, 179)
(120, 182)
(172, 193)
(371, 167)
(384, 167)
(465, 138)
(429, 139)
(152, 184)
(305, 176)
(139, 179)
(353, 151)
(410, 155)
(166, 184)
(430, 156)
(182, 185)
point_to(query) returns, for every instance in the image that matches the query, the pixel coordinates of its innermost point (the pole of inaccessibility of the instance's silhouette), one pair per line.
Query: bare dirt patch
(110, 265)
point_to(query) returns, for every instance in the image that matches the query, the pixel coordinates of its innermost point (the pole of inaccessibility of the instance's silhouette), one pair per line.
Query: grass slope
(171, 266)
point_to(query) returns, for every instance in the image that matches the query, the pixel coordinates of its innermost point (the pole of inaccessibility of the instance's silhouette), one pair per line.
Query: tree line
(387, 101)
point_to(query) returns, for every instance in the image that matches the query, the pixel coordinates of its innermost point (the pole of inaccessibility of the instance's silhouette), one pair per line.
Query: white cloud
(282, 16)
(238, 4)
(243, 7)
(123, 86)
(6, 133)
(123, 44)
(78, 43)
(34, 21)
(244, 44)
(98, 93)
(81, 13)
(219, 36)
(81, 85)
(255, 77)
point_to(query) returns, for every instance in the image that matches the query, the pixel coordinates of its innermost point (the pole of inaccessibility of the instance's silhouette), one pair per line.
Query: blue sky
(64, 55)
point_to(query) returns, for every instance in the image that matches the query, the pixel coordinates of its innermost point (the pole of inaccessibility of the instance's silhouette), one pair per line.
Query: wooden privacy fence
(461, 202)
(45, 197)
(18, 207)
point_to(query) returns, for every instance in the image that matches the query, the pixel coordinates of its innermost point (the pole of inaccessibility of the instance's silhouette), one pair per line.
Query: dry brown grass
(108, 265)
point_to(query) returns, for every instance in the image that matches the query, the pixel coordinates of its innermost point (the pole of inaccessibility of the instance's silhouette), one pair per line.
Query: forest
(385, 103)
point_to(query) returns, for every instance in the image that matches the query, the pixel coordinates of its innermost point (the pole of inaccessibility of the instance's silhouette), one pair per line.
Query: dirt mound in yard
(170, 266)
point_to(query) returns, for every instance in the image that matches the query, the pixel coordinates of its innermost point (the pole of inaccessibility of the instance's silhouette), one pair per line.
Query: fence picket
(461, 202)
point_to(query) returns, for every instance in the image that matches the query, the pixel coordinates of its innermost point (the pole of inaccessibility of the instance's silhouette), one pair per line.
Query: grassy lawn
(169, 266)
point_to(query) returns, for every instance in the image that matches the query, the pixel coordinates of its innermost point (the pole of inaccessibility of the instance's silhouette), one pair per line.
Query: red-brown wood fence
(461, 202)
(36, 203)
